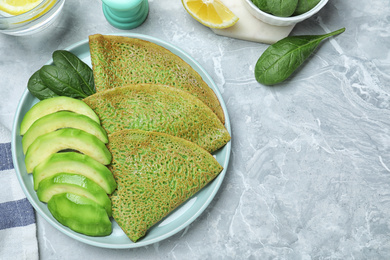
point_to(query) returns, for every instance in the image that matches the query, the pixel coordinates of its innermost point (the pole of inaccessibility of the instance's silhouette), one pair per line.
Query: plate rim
(216, 182)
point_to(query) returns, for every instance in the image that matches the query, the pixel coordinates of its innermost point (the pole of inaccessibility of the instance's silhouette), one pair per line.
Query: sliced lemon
(15, 7)
(211, 13)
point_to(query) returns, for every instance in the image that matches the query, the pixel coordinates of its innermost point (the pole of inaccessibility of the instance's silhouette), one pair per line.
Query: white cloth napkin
(18, 236)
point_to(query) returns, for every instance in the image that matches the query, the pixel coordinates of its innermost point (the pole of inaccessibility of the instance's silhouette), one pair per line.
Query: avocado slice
(75, 184)
(80, 214)
(77, 163)
(52, 105)
(64, 139)
(62, 119)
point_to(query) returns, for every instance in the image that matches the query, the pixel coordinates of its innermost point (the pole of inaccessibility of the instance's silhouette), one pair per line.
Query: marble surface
(309, 176)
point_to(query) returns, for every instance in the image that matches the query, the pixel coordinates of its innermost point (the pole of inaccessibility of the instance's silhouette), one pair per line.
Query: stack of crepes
(163, 121)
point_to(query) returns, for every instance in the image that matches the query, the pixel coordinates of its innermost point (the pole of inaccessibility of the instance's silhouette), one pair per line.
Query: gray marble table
(309, 176)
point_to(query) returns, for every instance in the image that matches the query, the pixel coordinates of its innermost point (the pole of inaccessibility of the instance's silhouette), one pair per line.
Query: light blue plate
(174, 222)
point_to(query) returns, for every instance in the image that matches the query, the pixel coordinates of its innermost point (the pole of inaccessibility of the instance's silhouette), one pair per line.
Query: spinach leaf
(68, 76)
(282, 8)
(61, 81)
(282, 58)
(305, 5)
(68, 61)
(36, 86)
(262, 5)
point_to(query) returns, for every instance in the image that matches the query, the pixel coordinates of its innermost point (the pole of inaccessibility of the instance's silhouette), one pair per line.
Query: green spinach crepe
(155, 173)
(159, 108)
(119, 60)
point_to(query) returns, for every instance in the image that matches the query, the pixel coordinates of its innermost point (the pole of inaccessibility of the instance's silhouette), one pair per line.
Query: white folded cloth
(18, 236)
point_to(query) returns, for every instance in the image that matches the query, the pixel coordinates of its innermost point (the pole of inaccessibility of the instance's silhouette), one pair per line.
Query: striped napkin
(18, 237)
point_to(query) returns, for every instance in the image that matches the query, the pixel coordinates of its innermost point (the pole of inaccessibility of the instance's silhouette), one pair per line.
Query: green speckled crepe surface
(159, 108)
(119, 60)
(155, 173)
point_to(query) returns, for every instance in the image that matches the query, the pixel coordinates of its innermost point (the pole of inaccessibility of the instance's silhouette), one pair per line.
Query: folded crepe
(119, 60)
(159, 108)
(155, 173)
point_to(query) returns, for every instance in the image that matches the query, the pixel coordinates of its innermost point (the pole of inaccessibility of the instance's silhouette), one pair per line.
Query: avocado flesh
(55, 104)
(63, 139)
(80, 214)
(77, 163)
(62, 119)
(75, 184)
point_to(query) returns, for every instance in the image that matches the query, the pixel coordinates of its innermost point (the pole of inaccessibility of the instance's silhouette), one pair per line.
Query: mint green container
(127, 14)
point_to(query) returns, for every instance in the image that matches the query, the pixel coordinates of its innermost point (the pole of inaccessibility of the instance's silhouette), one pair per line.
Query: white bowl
(282, 21)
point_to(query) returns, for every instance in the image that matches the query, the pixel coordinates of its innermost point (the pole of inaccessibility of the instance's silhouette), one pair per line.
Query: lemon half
(211, 13)
(16, 7)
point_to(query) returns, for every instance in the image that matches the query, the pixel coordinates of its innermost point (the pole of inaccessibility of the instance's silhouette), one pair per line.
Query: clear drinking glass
(32, 21)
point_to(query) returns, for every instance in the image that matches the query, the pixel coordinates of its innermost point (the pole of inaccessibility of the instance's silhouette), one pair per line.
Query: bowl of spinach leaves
(284, 12)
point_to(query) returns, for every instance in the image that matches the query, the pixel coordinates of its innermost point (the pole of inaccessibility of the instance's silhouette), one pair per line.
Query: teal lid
(125, 14)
